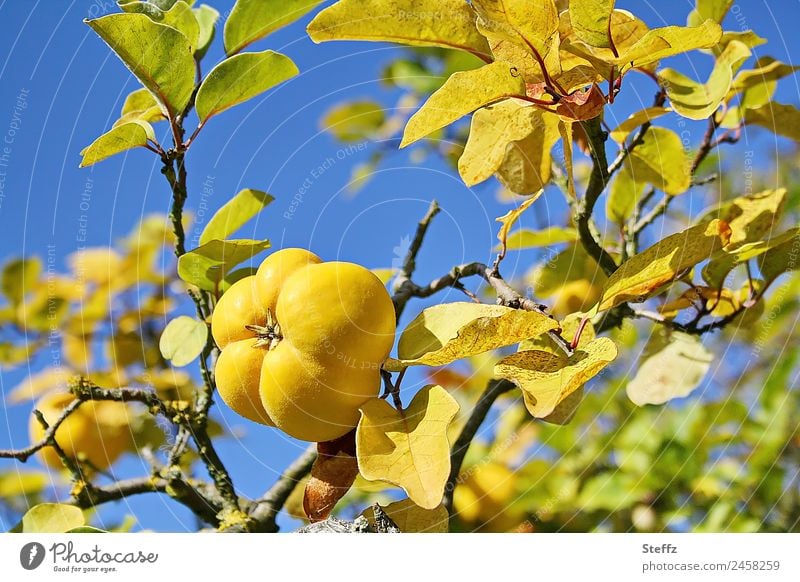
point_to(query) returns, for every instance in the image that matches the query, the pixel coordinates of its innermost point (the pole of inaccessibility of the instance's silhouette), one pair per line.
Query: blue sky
(73, 87)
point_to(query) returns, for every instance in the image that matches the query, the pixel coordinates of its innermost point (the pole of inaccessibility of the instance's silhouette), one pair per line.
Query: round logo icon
(31, 555)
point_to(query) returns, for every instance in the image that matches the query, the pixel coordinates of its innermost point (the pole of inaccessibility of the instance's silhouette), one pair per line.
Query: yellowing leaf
(158, 55)
(355, 120)
(674, 365)
(661, 160)
(623, 196)
(517, 28)
(510, 218)
(461, 94)
(779, 118)
(548, 379)
(252, 20)
(644, 273)
(752, 217)
(207, 265)
(525, 238)
(443, 23)
(411, 518)
(207, 20)
(408, 448)
(495, 129)
(448, 332)
(179, 16)
(48, 380)
(767, 70)
(234, 214)
(569, 329)
(591, 21)
(19, 278)
(240, 78)
(118, 139)
(183, 340)
(624, 129)
(780, 259)
(565, 130)
(697, 101)
(52, 518)
(713, 9)
(661, 43)
(95, 265)
(141, 105)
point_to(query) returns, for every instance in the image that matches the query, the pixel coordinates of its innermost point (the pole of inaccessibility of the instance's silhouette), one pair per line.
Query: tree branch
(598, 180)
(494, 390)
(266, 510)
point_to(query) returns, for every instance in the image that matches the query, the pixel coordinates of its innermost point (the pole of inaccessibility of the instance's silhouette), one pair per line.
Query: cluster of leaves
(531, 79)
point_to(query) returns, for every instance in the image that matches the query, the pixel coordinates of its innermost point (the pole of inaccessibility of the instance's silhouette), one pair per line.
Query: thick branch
(598, 180)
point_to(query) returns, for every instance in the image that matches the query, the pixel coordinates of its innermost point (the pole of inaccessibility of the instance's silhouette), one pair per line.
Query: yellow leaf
(779, 118)
(445, 333)
(673, 366)
(623, 196)
(725, 260)
(565, 129)
(498, 127)
(461, 94)
(665, 42)
(548, 379)
(48, 380)
(95, 265)
(781, 259)
(694, 100)
(624, 129)
(525, 238)
(644, 273)
(509, 219)
(751, 217)
(517, 28)
(591, 21)
(569, 329)
(443, 23)
(411, 518)
(408, 448)
(661, 160)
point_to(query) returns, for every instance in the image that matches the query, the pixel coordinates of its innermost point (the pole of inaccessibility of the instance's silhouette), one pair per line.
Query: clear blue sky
(74, 87)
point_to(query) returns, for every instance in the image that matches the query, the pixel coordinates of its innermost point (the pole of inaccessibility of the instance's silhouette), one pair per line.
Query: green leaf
(643, 274)
(252, 20)
(624, 129)
(19, 278)
(118, 139)
(548, 379)
(505, 125)
(674, 364)
(158, 55)
(234, 214)
(445, 333)
(183, 340)
(697, 101)
(610, 492)
(179, 16)
(442, 23)
(207, 265)
(140, 105)
(525, 238)
(705, 9)
(86, 529)
(591, 21)
(51, 518)
(462, 94)
(725, 260)
(409, 447)
(355, 120)
(661, 43)
(240, 78)
(207, 17)
(779, 118)
(661, 160)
